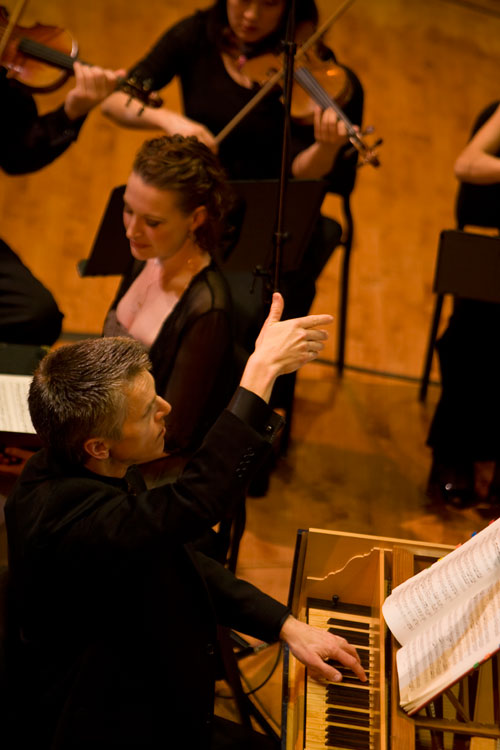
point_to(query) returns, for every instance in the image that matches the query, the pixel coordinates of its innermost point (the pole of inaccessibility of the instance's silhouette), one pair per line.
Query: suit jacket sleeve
(239, 604)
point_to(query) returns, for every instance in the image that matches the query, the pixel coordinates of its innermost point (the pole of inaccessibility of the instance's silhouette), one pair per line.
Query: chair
(468, 266)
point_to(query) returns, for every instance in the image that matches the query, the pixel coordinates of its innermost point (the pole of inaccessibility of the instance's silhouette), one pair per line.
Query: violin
(41, 58)
(320, 82)
(309, 83)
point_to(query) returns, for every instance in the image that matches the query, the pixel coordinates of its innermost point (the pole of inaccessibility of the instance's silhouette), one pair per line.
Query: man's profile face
(143, 431)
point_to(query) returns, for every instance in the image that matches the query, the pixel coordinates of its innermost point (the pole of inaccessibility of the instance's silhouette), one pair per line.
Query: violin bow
(276, 77)
(13, 19)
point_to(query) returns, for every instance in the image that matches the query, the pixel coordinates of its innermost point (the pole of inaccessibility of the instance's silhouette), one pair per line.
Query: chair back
(468, 265)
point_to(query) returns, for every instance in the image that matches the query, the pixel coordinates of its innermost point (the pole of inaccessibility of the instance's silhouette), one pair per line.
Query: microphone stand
(271, 276)
(280, 235)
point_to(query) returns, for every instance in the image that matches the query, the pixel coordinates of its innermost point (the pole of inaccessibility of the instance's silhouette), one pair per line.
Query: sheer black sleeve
(201, 379)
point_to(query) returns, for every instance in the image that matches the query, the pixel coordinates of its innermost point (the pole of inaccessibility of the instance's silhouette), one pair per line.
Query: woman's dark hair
(189, 169)
(220, 33)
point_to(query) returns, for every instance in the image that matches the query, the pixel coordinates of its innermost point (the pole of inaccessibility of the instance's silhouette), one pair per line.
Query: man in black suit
(113, 613)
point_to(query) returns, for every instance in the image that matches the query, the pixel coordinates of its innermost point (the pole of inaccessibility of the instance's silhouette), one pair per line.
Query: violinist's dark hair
(188, 168)
(305, 10)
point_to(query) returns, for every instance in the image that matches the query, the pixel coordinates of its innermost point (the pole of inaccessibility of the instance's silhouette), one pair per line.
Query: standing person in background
(28, 142)
(464, 434)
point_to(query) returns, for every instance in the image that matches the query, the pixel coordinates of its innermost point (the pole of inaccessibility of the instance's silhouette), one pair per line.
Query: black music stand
(110, 252)
(256, 212)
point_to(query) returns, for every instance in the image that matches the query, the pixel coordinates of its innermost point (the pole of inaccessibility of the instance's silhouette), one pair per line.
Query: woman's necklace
(159, 286)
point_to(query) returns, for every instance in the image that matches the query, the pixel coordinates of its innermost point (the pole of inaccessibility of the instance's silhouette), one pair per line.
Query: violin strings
(47, 54)
(308, 81)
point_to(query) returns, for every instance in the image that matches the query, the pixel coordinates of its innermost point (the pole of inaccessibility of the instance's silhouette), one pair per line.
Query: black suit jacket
(114, 613)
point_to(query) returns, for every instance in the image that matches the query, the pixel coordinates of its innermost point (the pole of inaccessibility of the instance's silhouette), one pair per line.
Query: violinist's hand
(92, 85)
(282, 347)
(330, 135)
(328, 129)
(313, 646)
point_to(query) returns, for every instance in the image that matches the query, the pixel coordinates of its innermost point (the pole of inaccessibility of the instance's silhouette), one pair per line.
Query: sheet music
(14, 413)
(452, 646)
(472, 567)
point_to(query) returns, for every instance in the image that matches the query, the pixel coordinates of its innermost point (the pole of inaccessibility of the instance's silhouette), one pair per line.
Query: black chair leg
(344, 286)
(344, 290)
(430, 347)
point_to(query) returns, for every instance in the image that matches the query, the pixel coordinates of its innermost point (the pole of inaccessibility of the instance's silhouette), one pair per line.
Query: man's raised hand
(283, 346)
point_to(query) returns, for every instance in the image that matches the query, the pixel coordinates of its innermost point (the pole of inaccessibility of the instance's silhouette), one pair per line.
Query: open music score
(340, 581)
(14, 413)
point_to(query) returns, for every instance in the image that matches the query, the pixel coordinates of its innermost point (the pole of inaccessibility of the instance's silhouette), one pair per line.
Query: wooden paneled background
(358, 460)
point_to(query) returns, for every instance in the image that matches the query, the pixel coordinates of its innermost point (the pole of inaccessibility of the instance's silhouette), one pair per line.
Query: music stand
(257, 200)
(110, 252)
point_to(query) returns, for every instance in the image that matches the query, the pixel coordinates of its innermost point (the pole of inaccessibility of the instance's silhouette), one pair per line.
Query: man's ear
(97, 448)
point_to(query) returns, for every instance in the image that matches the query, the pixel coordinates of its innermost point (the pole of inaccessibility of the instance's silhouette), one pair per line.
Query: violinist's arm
(477, 163)
(131, 113)
(317, 160)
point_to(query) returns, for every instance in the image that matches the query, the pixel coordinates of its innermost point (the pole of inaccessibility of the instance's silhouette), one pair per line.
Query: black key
(347, 696)
(347, 738)
(348, 678)
(356, 639)
(345, 670)
(364, 658)
(344, 716)
(348, 623)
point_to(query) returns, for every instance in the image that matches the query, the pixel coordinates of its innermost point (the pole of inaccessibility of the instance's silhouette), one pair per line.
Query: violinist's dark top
(212, 97)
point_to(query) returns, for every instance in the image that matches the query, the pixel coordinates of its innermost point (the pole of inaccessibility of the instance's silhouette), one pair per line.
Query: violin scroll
(140, 90)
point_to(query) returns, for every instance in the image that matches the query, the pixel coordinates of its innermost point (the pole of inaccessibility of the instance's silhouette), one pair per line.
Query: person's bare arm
(133, 114)
(477, 163)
